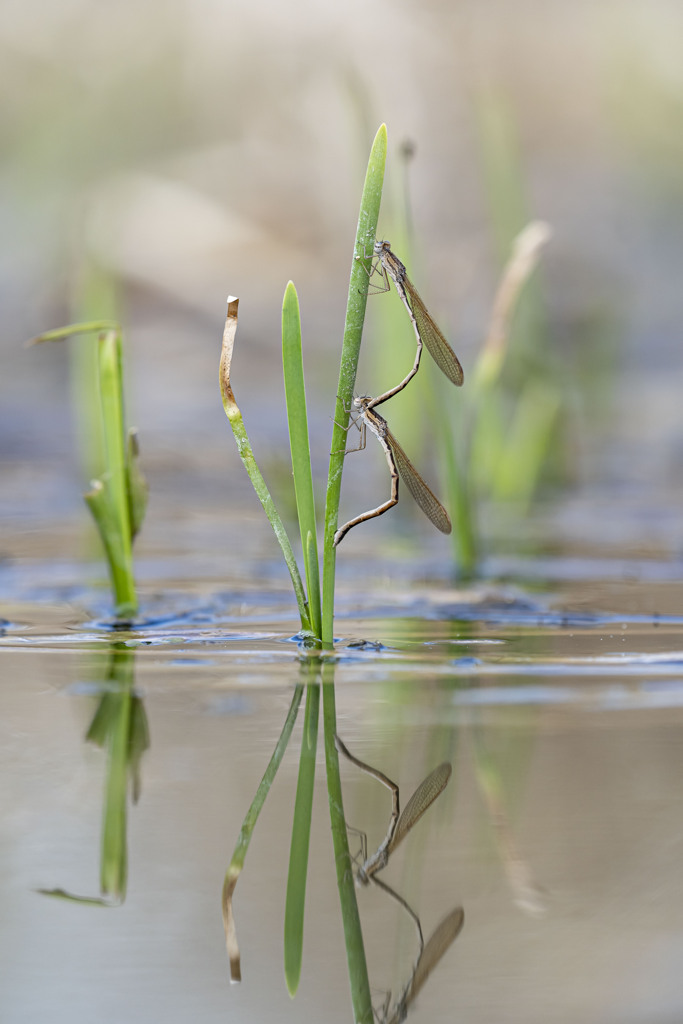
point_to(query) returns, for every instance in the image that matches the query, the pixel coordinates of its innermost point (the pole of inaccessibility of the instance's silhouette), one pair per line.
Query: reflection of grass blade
(123, 739)
(119, 726)
(353, 935)
(114, 856)
(70, 897)
(240, 852)
(244, 448)
(138, 743)
(295, 394)
(301, 832)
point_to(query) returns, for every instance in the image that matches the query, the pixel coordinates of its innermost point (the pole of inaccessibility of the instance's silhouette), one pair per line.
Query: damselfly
(426, 330)
(400, 822)
(399, 465)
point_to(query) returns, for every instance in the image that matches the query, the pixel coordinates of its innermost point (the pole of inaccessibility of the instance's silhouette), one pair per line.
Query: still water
(560, 833)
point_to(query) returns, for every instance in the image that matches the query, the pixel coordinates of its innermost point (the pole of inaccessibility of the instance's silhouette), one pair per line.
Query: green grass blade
(353, 935)
(488, 426)
(459, 487)
(311, 557)
(516, 278)
(111, 395)
(301, 834)
(111, 500)
(246, 453)
(501, 162)
(95, 294)
(136, 484)
(497, 453)
(99, 501)
(89, 327)
(295, 394)
(353, 332)
(528, 442)
(117, 721)
(240, 852)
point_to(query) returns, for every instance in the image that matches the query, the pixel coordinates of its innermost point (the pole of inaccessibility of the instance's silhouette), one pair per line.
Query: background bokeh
(156, 157)
(193, 150)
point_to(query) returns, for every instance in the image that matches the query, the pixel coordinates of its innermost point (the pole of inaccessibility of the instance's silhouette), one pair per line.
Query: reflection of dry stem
(525, 254)
(231, 943)
(526, 893)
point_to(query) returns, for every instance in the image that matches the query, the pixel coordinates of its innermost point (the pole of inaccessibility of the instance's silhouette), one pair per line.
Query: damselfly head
(382, 246)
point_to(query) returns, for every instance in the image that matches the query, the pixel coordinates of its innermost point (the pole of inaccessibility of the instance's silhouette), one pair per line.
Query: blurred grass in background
(192, 152)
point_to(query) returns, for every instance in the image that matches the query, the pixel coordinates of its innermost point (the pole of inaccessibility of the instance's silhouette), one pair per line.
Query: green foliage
(499, 442)
(353, 332)
(232, 411)
(297, 418)
(119, 726)
(316, 619)
(248, 825)
(353, 934)
(117, 499)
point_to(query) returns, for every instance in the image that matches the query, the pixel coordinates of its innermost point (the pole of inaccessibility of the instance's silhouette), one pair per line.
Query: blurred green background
(196, 150)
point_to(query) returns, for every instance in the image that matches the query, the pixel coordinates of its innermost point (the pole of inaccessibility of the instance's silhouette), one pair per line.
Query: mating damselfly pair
(364, 414)
(401, 823)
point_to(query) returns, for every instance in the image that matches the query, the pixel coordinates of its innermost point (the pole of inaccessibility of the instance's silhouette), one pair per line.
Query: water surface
(558, 702)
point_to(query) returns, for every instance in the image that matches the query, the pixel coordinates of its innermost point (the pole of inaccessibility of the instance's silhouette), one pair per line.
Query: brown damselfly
(400, 822)
(399, 465)
(427, 332)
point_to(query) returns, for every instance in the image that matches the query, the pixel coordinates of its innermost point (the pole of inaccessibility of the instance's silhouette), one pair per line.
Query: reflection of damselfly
(400, 822)
(399, 464)
(388, 265)
(439, 941)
